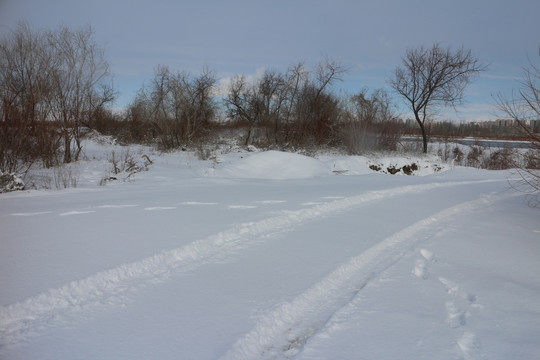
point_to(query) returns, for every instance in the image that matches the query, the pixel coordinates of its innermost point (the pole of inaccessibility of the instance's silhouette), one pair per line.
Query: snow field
(203, 260)
(109, 284)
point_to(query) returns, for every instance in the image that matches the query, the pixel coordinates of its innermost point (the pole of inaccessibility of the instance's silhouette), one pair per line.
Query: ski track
(27, 318)
(282, 332)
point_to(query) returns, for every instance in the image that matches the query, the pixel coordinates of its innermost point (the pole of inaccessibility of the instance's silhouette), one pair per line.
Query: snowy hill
(269, 255)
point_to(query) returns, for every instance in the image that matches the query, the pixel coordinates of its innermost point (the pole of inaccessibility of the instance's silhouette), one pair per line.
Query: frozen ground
(270, 256)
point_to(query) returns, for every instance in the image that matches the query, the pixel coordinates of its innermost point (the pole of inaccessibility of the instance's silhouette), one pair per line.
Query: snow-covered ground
(268, 255)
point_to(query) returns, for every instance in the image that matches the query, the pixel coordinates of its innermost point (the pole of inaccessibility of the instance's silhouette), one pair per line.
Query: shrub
(474, 157)
(532, 159)
(502, 159)
(10, 182)
(409, 169)
(458, 155)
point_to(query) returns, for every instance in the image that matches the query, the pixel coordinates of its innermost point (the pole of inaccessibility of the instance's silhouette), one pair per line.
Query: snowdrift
(274, 165)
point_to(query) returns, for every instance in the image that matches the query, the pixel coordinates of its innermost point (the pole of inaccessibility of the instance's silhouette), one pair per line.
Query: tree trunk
(424, 137)
(67, 148)
(423, 129)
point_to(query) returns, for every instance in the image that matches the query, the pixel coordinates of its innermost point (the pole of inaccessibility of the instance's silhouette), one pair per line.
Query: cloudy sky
(247, 36)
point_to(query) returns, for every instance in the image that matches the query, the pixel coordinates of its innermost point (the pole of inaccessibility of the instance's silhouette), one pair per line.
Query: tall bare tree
(432, 78)
(244, 105)
(317, 107)
(25, 86)
(81, 83)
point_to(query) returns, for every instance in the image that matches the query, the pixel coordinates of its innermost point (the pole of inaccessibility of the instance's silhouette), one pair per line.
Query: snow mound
(274, 165)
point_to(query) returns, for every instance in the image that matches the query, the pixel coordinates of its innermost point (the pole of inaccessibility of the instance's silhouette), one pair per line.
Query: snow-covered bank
(271, 255)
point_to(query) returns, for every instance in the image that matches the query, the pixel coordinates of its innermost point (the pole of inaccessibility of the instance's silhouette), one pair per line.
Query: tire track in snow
(26, 318)
(283, 332)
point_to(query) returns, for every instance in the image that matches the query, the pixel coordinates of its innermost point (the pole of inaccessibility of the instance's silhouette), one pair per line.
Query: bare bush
(369, 122)
(525, 111)
(125, 165)
(178, 105)
(502, 159)
(64, 177)
(296, 108)
(475, 157)
(532, 159)
(458, 155)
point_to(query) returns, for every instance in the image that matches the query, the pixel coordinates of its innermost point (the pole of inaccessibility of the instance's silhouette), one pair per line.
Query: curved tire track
(28, 317)
(282, 332)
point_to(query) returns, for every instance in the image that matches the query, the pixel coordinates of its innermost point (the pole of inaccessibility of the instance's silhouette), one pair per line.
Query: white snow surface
(270, 255)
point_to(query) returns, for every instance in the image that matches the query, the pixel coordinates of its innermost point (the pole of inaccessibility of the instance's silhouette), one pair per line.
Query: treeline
(297, 108)
(56, 84)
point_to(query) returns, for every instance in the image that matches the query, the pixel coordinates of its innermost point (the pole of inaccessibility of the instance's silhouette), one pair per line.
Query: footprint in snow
(456, 307)
(455, 290)
(428, 255)
(420, 269)
(455, 317)
(468, 344)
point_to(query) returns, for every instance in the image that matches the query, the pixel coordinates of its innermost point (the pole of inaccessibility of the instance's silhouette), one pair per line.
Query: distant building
(535, 125)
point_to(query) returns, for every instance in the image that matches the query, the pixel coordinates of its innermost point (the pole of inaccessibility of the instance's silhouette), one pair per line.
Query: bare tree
(315, 106)
(268, 103)
(178, 105)
(80, 80)
(199, 105)
(297, 77)
(25, 86)
(524, 109)
(431, 78)
(296, 106)
(273, 91)
(48, 75)
(244, 105)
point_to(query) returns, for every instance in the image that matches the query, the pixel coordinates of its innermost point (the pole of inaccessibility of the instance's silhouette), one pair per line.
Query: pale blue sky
(245, 36)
